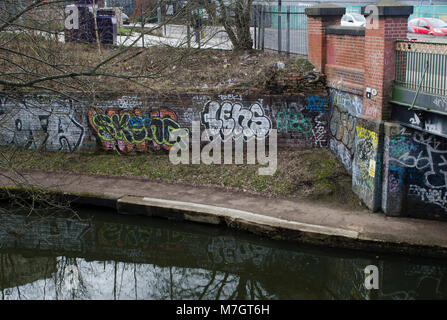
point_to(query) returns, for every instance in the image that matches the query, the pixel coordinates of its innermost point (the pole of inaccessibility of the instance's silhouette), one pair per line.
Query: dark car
(431, 26)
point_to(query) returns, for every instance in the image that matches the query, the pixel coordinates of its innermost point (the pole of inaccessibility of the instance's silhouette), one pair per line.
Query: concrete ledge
(210, 214)
(272, 227)
(348, 31)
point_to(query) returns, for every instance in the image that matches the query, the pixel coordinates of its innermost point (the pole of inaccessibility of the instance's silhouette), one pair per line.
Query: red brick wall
(345, 62)
(353, 63)
(379, 48)
(317, 39)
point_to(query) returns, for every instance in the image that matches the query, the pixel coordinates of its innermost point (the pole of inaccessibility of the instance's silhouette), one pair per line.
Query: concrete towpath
(289, 219)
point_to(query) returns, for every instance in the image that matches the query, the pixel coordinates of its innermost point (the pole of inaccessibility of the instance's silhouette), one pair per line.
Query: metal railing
(421, 66)
(283, 28)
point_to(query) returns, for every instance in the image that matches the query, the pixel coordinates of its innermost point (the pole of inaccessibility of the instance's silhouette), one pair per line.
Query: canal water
(106, 256)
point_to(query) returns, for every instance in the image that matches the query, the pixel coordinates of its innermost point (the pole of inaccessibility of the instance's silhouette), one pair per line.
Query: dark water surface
(119, 257)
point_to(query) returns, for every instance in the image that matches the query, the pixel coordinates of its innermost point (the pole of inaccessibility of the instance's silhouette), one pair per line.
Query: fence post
(262, 27)
(255, 20)
(288, 30)
(188, 30)
(279, 26)
(260, 24)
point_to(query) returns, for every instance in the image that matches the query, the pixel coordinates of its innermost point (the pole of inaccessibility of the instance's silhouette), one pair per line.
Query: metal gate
(280, 28)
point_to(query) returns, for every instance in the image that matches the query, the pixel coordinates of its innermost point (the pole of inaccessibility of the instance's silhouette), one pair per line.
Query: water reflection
(143, 258)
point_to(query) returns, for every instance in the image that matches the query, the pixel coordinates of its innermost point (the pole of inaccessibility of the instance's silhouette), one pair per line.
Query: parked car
(125, 18)
(353, 20)
(432, 26)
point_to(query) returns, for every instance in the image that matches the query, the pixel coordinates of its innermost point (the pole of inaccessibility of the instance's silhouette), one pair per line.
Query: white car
(353, 20)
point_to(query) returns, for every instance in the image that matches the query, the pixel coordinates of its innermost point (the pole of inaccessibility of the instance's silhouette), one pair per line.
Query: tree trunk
(238, 31)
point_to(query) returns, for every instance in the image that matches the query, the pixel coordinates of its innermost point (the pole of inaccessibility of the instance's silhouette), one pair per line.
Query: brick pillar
(319, 17)
(380, 57)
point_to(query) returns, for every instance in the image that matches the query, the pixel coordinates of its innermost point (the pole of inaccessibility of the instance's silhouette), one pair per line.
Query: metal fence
(280, 28)
(421, 66)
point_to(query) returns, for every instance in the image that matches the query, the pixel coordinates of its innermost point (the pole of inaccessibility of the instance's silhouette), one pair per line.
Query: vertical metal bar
(279, 26)
(288, 30)
(255, 11)
(188, 31)
(419, 86)
(440, 74)
(306, 40)
(263, 11)
(444, 76)
(409, 61)
(433, 73)
(415, 66)
(430, 72)
(398, 66)
(259, 12)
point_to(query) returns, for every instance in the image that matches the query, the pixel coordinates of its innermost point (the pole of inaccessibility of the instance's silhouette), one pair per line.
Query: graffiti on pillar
(364, 166)
(234, 120)
(419, 160)
(342, 129)
(342, 121)
(126, 131)
(41, 128)
(351, 103)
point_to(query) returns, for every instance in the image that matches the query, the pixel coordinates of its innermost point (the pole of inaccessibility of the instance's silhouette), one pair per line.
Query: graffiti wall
(345, 108)
(141, 123)
(366, 162)
(415, 177)
(305, 121)
(127, 131)
(41, 123)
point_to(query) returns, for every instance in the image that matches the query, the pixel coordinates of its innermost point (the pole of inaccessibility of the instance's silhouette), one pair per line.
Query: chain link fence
(280, 28)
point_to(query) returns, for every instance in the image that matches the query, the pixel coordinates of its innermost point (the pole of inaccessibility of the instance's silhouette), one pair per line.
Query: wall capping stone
(391, 8)
(343, 30)
(326, 9)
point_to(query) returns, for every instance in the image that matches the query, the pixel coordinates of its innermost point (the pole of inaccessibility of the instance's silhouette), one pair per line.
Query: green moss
(312, 174)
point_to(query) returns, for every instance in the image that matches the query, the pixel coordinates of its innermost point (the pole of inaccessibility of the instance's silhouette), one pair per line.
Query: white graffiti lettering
(234, 120)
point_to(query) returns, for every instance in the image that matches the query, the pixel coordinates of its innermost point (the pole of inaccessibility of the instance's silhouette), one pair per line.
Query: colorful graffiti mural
(119, 130)
(142, 123)
(364, 167)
